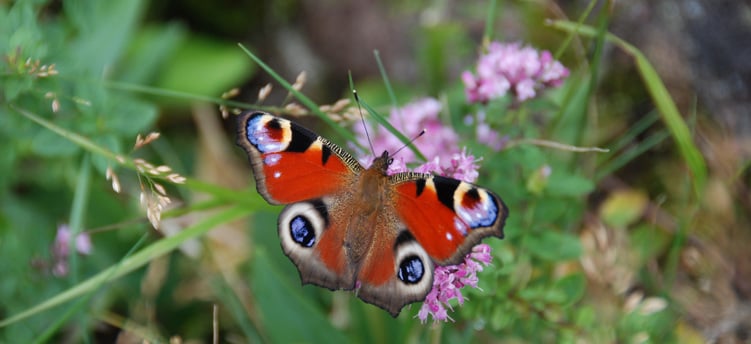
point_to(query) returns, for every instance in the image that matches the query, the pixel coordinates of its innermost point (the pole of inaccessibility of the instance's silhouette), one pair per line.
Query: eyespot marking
(411, 270)
(476, 207)
(302, 231)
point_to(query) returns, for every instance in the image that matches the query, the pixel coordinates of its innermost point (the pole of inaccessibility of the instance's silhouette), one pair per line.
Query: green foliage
(79, 80)
(189, 72)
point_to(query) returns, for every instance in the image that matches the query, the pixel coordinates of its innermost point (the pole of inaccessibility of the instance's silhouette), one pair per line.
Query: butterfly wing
(397, 271)
(431, 220)
(291, 163)
(294, 166)
(312, 233)
(447, 216)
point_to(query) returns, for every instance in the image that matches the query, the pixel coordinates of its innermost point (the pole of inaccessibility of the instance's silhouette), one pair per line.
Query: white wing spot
(272, 159)
(460, 226)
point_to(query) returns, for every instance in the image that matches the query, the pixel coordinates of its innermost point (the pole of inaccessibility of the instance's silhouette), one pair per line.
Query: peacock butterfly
(350, 227)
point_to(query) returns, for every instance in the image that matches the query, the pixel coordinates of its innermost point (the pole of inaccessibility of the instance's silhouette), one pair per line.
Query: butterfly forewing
(291, 163)
(447, 216)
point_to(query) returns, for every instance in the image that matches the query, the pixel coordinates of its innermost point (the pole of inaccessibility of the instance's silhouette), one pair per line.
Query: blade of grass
(629, 155)
(624, 140)
(674, 122)
(487, 35)
(571, 119)
(250, 199)
(307, 102)
(129, 264)
(78, 305)
(77, 212)
(385, 77)
(230, 299)
(382, 120)
(634, 130)
(689, 209)
(572, 34)
(161, 92)
(73, 137)
(662, 99)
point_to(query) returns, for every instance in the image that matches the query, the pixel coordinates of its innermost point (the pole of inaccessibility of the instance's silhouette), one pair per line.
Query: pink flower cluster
(461, 166)
(61, 249)
(512, 67)
(440, 142)
(448, 282)
(484, 133)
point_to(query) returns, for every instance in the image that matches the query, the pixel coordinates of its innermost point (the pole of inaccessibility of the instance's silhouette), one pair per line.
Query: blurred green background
(644, 243)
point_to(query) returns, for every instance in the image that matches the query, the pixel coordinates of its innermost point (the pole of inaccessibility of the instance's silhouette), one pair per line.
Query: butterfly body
(348, 227)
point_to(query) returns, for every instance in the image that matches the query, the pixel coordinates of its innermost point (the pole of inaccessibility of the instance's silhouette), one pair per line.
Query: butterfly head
(382, 162)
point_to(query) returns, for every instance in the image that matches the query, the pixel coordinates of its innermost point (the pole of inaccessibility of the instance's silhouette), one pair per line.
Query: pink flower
(448, 282)
(463, 167)
(61, 249)
(439, 140)
(484, 133)
(520, 69)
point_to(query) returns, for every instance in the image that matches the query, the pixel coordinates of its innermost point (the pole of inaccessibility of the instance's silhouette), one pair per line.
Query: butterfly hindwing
(311, 236)
(396, 272)
(291, 163)
(447, 216)
(389, 271)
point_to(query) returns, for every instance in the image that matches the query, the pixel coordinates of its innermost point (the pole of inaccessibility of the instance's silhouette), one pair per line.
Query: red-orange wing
(291, 163)
(447, 216)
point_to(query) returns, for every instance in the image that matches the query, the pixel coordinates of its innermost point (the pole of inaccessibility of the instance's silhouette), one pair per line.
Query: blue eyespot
(266, 137)
(479, 214)
(411, 270)
(302, 231)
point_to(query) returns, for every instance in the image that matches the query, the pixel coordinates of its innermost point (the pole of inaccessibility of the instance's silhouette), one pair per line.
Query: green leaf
(151, 50)
(529, 157)
(289, 317)
(104, 30)
(8, 157)
(649, 241)
(572, 286)
(205, 66)
(128, 116)
(553, 246)
(623, 207)
(563, 184)
(49, 144)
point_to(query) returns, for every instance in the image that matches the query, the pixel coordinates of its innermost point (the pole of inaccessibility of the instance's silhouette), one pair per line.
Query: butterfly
(355, 228)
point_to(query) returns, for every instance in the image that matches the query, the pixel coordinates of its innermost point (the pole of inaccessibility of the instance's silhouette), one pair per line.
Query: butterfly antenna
(422, 132)
(362, 118)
